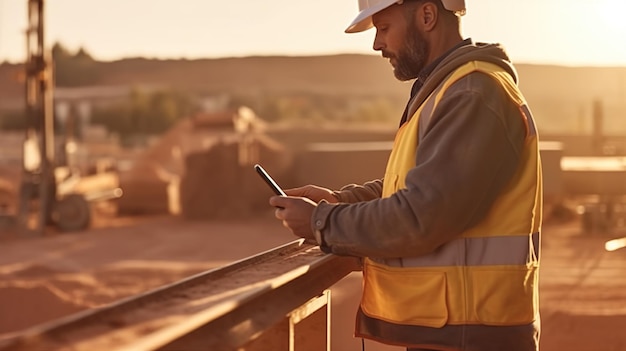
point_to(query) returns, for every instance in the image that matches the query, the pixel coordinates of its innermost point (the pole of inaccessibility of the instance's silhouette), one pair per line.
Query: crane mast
(38, 183)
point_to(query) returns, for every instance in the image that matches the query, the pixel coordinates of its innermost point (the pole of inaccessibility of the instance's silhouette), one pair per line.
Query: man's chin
(399, 76)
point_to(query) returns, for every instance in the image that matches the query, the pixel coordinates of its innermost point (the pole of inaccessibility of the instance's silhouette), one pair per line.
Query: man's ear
(428, 16)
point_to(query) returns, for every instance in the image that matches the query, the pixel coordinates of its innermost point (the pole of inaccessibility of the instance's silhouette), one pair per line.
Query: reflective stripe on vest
(486, 276)
(491, 251)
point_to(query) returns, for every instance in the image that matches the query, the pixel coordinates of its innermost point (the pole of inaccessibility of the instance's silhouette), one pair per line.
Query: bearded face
(411, 57)
(399, 39)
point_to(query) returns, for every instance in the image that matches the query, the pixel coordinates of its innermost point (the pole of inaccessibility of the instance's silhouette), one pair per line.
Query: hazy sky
(569, 32)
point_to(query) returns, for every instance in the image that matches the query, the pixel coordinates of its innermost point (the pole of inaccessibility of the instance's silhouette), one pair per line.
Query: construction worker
(450, 236)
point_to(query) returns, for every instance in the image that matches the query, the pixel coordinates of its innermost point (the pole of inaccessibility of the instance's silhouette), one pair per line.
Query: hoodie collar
(426, 71)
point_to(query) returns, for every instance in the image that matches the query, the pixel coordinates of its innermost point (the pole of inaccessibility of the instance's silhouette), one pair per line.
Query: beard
(412, 58)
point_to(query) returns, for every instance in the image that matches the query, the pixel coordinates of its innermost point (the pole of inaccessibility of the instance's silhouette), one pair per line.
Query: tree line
(153, 112)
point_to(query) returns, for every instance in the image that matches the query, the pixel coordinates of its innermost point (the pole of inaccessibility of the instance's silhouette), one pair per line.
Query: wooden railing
(276, 300)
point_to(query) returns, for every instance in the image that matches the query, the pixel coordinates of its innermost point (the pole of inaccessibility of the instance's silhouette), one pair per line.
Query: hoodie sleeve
(467, 153)
(353, 193)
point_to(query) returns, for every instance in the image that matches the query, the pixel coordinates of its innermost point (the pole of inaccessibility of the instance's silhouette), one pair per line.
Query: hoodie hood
(492, 53)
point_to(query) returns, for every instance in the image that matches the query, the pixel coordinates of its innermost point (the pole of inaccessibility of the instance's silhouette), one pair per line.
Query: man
(450, 236)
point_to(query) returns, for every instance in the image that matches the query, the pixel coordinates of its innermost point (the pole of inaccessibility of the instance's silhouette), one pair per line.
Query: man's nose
(378, 43)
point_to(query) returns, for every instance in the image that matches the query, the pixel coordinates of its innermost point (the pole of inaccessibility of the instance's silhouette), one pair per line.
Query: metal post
(38, 166)
(598, 128)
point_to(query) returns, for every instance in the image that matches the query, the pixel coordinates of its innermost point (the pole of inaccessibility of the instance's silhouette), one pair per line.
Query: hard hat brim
(363, 20)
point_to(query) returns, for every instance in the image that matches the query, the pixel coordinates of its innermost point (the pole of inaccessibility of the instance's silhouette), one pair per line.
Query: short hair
(447, 14)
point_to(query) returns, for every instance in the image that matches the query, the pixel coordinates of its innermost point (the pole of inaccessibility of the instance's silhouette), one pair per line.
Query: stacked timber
(220, 182)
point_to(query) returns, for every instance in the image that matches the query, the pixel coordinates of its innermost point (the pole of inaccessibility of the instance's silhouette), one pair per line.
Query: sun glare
(611, 29)
(598, 29)
(612, 16)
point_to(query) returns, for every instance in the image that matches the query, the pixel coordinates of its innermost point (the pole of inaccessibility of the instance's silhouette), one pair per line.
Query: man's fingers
(278, 201)
(295, 214)
(279, 213)
(300, 191)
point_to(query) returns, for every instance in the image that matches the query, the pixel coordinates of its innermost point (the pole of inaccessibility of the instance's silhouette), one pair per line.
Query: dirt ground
(583, 287)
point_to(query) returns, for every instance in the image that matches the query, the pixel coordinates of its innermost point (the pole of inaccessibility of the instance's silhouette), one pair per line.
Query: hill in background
(560, 97)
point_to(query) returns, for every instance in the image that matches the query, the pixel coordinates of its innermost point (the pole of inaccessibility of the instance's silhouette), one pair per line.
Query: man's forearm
(354, 193)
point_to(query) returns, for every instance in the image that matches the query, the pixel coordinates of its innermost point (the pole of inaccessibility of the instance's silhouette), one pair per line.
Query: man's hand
(295, 212)
(313, 192)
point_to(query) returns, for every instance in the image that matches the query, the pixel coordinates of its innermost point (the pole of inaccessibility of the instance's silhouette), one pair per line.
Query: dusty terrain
(583, 287)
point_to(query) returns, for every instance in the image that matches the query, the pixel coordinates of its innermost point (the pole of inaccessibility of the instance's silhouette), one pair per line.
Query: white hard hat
(367, 8)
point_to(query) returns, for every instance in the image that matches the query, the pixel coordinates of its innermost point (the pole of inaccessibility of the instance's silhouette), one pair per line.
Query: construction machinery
(54, 191)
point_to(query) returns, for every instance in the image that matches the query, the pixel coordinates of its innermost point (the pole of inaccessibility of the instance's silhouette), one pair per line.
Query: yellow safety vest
(489, 275)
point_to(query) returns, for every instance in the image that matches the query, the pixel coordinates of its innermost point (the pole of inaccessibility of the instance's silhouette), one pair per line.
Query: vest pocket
(505, 296)
(405, 295)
